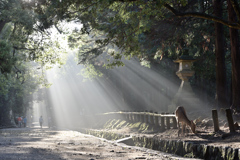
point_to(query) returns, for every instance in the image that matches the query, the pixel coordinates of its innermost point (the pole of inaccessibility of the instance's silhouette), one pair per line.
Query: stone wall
(178, 147)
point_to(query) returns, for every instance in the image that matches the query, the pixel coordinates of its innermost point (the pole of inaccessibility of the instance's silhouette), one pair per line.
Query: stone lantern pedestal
(185, 96)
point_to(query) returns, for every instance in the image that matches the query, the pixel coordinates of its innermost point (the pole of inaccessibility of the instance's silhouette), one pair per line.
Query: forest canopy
(106, 31)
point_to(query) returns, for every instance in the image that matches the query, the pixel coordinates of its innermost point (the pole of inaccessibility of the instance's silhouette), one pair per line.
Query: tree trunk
(221, 80)
(235, 58)
(2, 24)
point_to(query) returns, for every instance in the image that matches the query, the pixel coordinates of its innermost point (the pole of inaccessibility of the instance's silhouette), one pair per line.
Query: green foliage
(6, 60)
(130, 28)
(16, 88)
(26, 30)
(143, 29)
(90, 72)
(109, 30)
(4, 85)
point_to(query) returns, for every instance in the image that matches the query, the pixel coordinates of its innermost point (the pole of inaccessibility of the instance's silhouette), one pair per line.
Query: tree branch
(60, 31)
(19, 71)
(203, 16)
(236, 9)
(23, 48)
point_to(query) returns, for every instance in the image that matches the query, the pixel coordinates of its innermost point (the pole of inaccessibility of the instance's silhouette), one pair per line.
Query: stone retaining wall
(178, 147)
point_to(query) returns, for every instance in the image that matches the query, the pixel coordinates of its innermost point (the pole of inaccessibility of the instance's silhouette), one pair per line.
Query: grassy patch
(119, 124)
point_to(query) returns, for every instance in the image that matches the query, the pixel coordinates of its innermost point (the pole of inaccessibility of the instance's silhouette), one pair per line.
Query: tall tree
(221, 80)
(23, 37)
(233, 16)
(136, 27)
(232, 23)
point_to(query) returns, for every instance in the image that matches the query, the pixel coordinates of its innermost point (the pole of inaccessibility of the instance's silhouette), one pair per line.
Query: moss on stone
(181, 148)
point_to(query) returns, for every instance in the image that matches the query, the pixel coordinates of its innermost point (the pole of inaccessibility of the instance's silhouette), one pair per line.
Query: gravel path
(40, 144)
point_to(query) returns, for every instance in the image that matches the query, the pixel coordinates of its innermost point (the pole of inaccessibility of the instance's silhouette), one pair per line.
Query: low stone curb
(182, 148)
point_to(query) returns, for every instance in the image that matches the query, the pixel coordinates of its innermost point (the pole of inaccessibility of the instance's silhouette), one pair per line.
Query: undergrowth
(120, 124)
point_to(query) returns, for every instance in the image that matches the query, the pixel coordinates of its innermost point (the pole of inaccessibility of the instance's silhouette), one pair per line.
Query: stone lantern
(185, 96)
(185, 65)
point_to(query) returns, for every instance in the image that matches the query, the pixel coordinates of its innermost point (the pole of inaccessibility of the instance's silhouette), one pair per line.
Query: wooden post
(215, 120)
(151, 119)
(130, 116)
(142, 118)
(156, 121)
(134, 117)
(138, 117)
(230, 120)
(168, 122)
(174, 122)
(126, 116)
(121, 116)
(162, 123)
(146, 117)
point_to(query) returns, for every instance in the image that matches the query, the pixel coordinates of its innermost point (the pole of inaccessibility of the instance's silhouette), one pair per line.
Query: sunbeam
(131, 88)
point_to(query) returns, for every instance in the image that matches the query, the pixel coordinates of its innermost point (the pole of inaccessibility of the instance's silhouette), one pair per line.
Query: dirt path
(40, 144)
